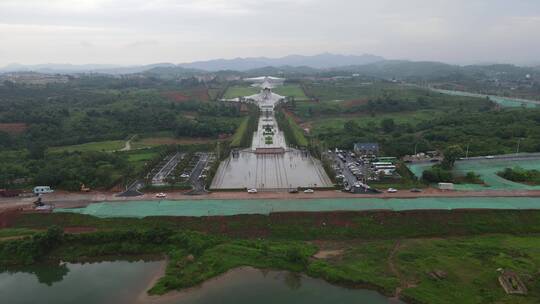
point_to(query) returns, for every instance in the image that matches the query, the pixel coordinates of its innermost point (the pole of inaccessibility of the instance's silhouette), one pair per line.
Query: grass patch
(469, 263)
(291, 90)
(15, 232)
(100, 146)
(240, 91)
(237, 137)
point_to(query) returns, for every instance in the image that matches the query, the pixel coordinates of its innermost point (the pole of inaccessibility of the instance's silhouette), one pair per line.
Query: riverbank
(416, 256)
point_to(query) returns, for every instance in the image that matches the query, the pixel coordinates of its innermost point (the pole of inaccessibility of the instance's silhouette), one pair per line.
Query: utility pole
(467, 151)
(519, 141)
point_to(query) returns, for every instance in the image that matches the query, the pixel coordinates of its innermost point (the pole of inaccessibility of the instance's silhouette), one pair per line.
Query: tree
(451, 154)
(388, 125)
(351, 126)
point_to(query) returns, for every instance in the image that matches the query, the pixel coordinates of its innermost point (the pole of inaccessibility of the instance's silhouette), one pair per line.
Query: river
(503, 101)
(121, 282)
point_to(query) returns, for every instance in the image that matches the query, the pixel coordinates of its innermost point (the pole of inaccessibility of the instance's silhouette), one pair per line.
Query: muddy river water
(126, 282)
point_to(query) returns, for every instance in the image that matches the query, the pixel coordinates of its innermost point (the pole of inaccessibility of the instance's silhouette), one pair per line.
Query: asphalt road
(197, 183)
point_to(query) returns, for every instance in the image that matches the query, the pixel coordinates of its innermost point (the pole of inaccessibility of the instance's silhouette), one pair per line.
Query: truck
(446, 186)
(42, 190)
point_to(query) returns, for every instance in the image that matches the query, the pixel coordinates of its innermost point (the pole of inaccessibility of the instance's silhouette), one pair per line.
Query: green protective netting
(487, 169)
(141, 209)
(503, 101)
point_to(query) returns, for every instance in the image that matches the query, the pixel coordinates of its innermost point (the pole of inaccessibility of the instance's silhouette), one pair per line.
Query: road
(510, 157)
(76, 199)
(197, 183)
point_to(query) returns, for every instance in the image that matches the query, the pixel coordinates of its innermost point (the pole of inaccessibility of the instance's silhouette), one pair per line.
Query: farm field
(240, 91)
(13, 128)
(100, 146)
(162, 141)
(291, 90)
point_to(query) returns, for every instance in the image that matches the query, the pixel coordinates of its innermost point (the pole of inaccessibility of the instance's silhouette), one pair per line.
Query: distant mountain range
(296, 65)
(52, 68)
(321, 61)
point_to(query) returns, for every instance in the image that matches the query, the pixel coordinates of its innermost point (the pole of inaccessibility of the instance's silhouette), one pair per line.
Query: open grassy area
(468, 264)
(237, 137)
(138, 158)
(16, 232)
(240, 91)
(100, 146)
(291, 90)
(386, 251)
(164, 141)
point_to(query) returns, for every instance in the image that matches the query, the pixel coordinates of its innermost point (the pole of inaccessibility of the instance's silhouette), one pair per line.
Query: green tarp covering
(487, 169)
(141, 209)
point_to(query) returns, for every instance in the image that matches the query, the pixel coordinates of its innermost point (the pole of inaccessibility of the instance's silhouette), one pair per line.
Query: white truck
(42, 190)
(446, 186)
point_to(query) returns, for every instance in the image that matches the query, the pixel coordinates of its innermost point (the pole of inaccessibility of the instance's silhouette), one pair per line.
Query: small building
(366, 149)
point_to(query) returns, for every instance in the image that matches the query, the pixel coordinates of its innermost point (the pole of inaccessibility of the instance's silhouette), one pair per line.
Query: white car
(161, 195)
(252, 190)
(490, 157)
(391, 190)
(184, 175)
(309, 191)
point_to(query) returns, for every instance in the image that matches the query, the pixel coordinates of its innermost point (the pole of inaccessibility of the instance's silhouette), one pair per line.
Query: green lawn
(138, 158)
(470, 265)
(100, 146)
(292, 90)
(298, 132)
(366, 120)
(237, 137)
(16, 232)
(240, 91)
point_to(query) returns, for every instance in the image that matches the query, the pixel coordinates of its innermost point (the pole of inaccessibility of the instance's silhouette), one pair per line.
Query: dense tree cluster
(485, 133)
(521, 175)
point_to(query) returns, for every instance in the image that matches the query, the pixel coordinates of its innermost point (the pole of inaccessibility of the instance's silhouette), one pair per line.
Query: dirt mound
(13, 128)
(355, 102)
(183, 96)
(8, 216)
(79, 230)
(176, 96)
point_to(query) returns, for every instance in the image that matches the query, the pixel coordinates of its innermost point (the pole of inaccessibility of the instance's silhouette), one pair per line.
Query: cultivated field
(100, 146)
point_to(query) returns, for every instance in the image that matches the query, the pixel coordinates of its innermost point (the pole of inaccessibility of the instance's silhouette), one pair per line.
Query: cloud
(34, 31)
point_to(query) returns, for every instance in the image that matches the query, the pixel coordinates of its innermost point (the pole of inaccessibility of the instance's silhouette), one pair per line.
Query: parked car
(391, 190)
(293, 190)
(309, 191)
(252, 191)
(416, 190)
(161, 195)
(490, 157)
(184, 175)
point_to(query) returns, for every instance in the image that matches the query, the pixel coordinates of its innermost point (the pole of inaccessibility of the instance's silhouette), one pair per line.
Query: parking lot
(356, 172)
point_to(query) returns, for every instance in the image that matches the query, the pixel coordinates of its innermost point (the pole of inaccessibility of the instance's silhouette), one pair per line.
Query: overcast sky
(149, 31)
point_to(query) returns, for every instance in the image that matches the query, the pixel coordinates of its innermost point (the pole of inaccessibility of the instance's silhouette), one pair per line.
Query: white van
(42, 190)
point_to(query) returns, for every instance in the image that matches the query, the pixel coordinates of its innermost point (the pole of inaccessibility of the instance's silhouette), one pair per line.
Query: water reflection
(47, 274)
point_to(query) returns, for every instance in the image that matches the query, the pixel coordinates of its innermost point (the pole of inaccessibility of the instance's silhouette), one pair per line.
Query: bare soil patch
(13, 128)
